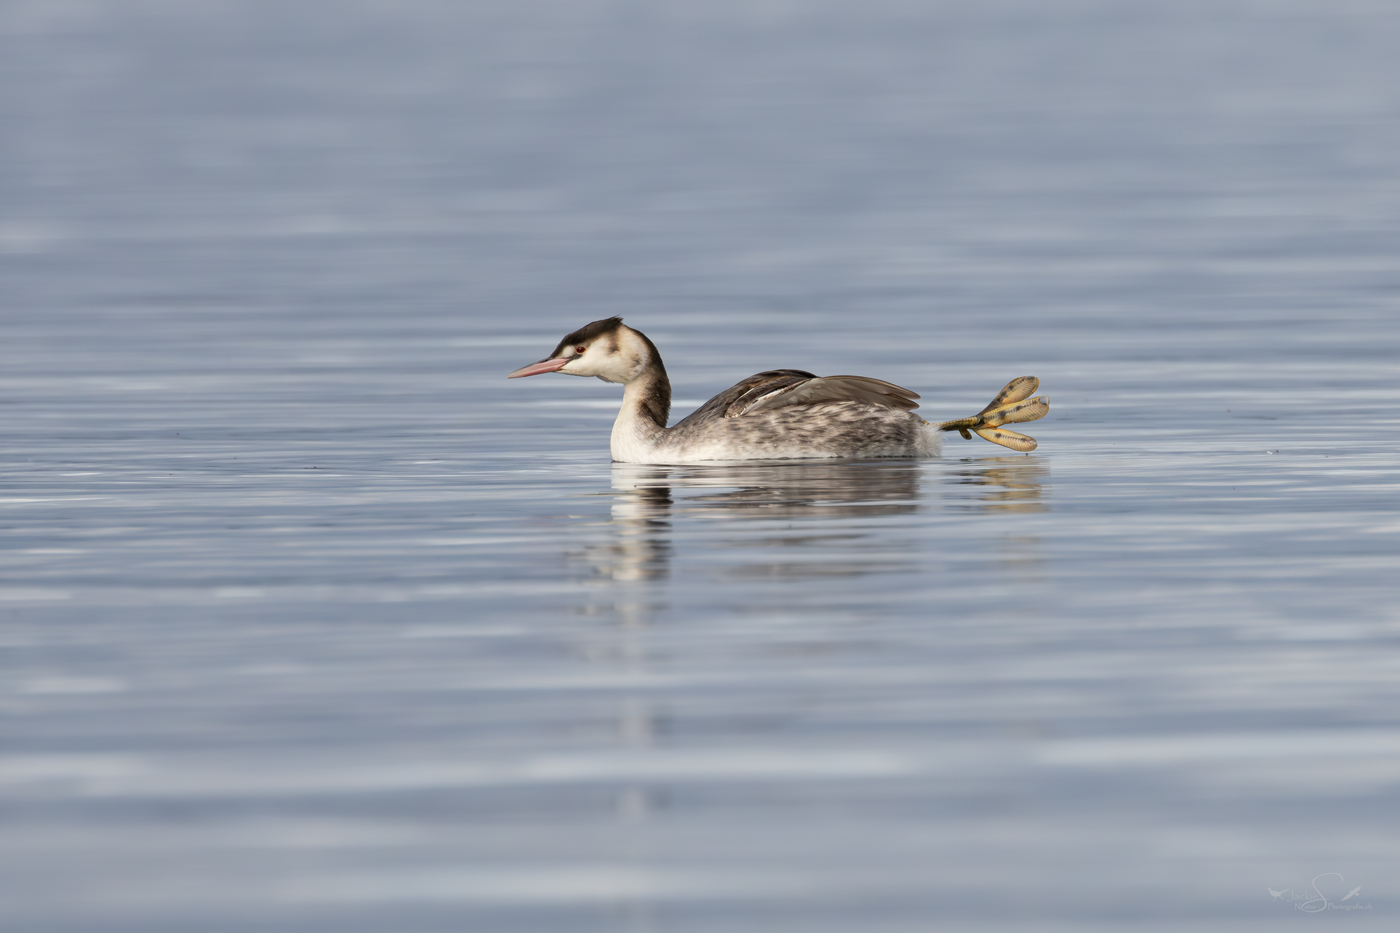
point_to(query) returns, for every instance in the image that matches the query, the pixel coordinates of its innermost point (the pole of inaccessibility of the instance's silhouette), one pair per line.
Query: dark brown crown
(587, 333)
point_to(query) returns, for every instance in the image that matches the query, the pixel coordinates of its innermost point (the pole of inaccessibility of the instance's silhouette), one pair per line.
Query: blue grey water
(312, 622)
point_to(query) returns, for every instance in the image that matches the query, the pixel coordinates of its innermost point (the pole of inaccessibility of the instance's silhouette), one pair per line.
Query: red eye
(579, 349)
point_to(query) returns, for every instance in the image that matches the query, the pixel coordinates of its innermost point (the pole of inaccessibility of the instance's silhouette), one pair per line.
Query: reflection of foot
(1279, 894)
(1354, 891)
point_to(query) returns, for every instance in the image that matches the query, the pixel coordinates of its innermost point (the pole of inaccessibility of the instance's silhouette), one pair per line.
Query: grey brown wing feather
(719, 406)
(790, 390)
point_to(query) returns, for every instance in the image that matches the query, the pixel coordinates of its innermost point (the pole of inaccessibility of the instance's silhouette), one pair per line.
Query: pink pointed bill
(543, 366)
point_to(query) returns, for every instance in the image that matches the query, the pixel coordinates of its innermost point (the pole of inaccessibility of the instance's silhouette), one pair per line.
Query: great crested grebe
(783, 414)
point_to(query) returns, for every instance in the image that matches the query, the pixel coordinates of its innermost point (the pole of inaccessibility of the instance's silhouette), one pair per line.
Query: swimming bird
(781, 414)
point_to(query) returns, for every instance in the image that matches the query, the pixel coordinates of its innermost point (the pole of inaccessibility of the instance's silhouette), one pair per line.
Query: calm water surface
(309, 620)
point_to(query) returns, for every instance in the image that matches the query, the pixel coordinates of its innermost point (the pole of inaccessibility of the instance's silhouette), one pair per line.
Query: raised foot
(1011, 406)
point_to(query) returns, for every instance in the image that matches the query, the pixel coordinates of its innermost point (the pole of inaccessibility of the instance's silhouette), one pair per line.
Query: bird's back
(793, 414)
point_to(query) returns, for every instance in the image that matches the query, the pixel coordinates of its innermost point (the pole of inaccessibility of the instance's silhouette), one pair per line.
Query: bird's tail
(1011, 406)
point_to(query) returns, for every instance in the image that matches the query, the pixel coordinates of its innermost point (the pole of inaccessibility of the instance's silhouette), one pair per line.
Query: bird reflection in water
(811, 492)
(761, 521)
(802, 490)
(745, 518)
(641, 535)
(820, 495)
(647, 499)
(1000, 484)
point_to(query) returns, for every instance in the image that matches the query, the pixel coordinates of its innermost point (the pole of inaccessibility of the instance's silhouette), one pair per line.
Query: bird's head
(607, 349)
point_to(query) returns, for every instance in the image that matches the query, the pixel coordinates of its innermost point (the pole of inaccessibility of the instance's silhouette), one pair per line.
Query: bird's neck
(646, 406)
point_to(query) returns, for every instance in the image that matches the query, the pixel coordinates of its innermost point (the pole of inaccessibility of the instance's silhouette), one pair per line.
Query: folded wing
(791, 388)
(782, 388)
